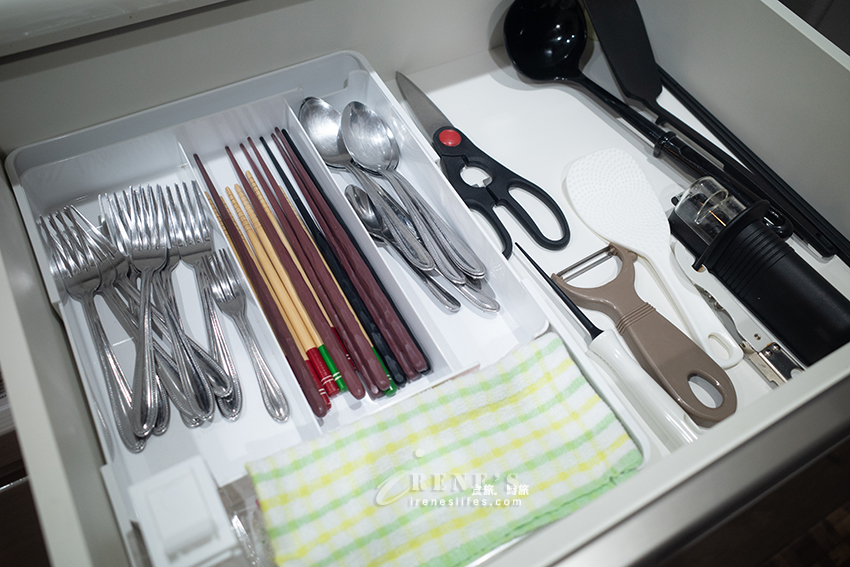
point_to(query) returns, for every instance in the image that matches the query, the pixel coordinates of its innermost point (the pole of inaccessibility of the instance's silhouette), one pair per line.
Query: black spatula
(622, 34)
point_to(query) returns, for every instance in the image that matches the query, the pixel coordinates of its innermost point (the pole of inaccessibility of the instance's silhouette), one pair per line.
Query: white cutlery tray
(156, 147)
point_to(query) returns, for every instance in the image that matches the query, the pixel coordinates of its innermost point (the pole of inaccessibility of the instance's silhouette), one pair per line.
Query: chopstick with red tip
(302, 374)
(338, 310)
(312, 314)
(260, 258)
(409, 355)
(281, 287)
(380, 347)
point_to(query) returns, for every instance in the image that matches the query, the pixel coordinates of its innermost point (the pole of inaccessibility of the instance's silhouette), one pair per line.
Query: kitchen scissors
(458, 153)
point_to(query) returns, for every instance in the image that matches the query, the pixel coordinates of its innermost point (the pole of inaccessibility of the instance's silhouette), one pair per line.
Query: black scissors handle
(457, 152)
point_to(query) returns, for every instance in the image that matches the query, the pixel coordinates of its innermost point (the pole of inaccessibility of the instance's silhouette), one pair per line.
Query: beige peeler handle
(667, 354)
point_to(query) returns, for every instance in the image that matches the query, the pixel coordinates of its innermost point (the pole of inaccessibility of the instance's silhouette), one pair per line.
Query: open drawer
(538, 132)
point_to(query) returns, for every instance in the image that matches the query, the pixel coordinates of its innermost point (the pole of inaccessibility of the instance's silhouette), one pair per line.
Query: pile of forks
(128, 260)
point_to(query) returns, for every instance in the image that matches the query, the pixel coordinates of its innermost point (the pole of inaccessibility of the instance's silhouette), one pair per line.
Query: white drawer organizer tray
(156, 147)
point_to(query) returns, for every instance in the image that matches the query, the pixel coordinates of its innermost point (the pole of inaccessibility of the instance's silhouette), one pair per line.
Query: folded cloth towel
(449, 474)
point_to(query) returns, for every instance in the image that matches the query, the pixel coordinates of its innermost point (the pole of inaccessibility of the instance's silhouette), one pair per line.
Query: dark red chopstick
(409, 356)
(305, 295)
(267, 302)
(393, 368)
(335, 306)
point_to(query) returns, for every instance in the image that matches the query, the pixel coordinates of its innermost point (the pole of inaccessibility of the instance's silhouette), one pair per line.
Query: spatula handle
(704, 326)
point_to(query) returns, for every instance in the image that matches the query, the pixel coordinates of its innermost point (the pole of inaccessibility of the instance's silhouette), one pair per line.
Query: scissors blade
(426, 112)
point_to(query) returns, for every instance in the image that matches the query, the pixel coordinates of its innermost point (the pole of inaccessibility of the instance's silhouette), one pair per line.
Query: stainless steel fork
(114, 270)
(118, 216)
(192, 242)
(80, 276)
(230, 298)
(148, 252)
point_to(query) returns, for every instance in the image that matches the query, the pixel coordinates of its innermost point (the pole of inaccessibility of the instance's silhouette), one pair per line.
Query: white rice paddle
(613, 197)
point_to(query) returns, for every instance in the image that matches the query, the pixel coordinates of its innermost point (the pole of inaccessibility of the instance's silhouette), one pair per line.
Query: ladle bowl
(547, 39)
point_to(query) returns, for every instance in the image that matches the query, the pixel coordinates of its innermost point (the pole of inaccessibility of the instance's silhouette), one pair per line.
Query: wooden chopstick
(281, 283)
(308, 272)
(344, 374)
(248, 230)
(408, 353)
(278, 253)
(282, 333)
(289, 309)
(351, 333)
(341, 278)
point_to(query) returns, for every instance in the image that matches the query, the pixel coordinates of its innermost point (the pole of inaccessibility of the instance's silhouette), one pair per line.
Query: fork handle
(166, 368)
(194, 383)
(214, 369)
(145, 393)
(117, 388)
(271, 392)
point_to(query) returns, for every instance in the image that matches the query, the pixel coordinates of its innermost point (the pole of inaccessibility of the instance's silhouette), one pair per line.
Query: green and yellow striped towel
(451, 473)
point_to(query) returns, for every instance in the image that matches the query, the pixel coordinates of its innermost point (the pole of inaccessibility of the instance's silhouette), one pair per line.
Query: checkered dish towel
(426, 481)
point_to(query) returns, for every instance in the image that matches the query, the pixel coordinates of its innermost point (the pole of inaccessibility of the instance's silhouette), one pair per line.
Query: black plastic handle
(457, 152)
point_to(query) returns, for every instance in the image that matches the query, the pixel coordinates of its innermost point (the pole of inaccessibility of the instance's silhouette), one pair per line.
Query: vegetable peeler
(665, 352)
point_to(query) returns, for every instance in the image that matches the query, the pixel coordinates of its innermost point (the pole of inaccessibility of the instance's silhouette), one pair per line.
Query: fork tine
(185, 221)
(122, 208)
(65, 248)
(192, 217)
(94, 253)
(158, 211)
(173, 222)
(216, 280)
(189, 214)
(57, 266)
(228, 275)
(199, 208)
(229, 270)
(91, 233)
(140, 236)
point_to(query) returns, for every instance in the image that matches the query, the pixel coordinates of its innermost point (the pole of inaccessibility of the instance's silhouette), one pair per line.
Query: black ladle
(545, 40)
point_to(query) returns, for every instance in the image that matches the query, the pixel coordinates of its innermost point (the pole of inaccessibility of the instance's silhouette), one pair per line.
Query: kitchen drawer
(537, 131)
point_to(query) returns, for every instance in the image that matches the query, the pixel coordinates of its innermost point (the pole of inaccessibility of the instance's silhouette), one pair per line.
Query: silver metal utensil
(148, 252)
(193, 244)
(81, 278)
(375, 226)
(322, 122)
(230, 297)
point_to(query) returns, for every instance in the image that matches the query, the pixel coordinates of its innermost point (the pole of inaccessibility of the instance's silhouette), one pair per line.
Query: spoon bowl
(368, 139)
(322, 124)
(371, 144)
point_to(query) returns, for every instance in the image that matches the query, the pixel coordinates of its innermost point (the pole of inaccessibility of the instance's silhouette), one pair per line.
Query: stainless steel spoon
(321, 121)
(375, 226)
(371, 144)
(471, 289)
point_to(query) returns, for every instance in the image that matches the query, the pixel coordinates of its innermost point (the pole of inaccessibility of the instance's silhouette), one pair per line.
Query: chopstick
(314, 373)
(282, 333)
(409, 355)
(292, 311)
(379, 343)
(334, 371)
(338, 309)
(302, 291)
